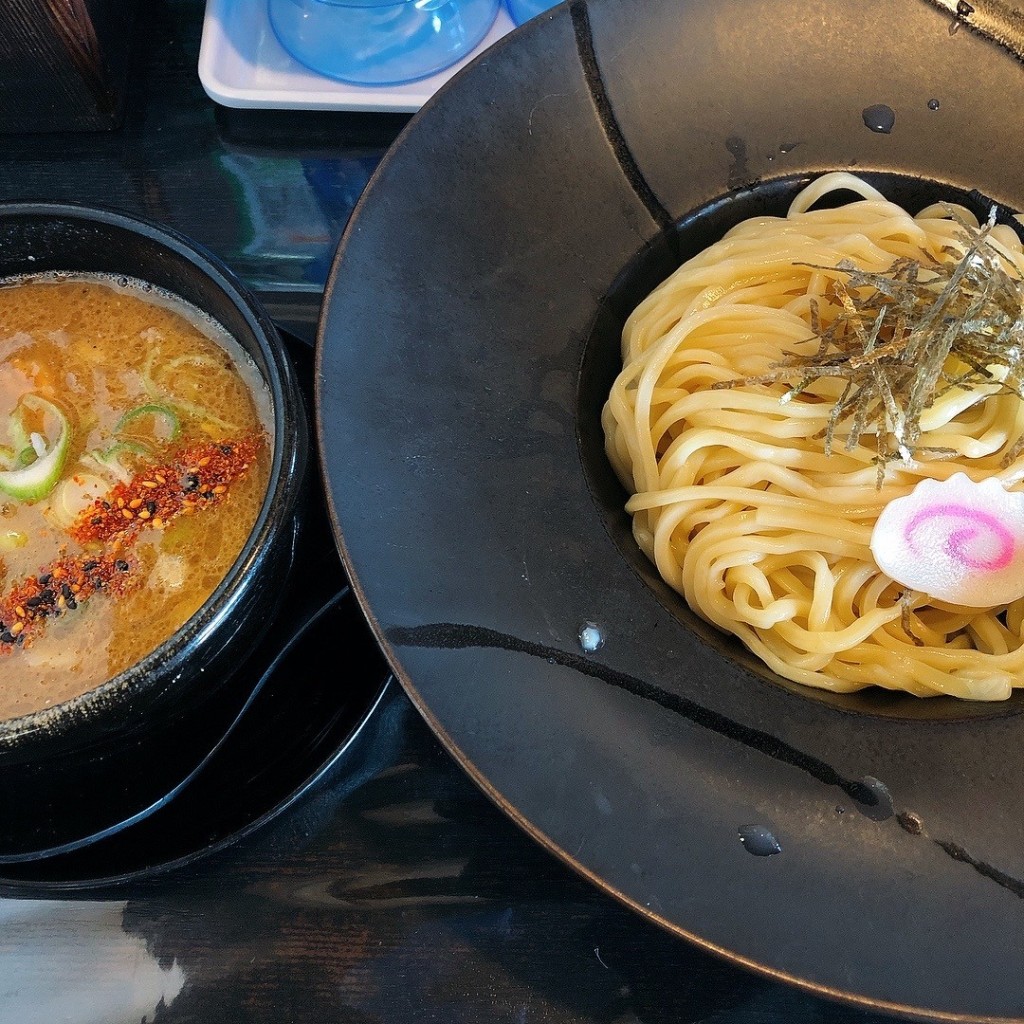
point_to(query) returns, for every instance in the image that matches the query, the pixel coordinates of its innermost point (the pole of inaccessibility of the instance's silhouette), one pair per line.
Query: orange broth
(144, 382)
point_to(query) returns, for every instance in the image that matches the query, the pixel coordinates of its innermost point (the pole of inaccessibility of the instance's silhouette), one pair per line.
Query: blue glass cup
(380, 42)
(524, 10)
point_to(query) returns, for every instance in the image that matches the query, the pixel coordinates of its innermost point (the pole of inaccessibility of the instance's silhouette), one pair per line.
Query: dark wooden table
(394, 891)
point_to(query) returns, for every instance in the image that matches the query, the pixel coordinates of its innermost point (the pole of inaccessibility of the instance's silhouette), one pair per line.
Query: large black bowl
(85, 765)
(468, 338)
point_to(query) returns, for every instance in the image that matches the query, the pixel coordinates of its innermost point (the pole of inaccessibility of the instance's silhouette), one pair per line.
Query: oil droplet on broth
(880, 118)
(759, 841)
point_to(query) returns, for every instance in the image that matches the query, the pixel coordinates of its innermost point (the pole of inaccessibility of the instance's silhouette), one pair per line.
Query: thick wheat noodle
(733, 495)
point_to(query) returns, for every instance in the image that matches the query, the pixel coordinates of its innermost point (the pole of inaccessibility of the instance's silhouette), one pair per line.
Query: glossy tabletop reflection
(393, 891)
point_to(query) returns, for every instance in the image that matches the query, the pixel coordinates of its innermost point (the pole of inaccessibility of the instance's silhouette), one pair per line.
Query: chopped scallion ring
(35, 480)
(163, 414)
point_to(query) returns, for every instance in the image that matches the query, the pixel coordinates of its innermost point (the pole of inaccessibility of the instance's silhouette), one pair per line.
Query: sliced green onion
(36, 480)
(16, 431)
(109, 458)
(202, 413)
(162, 413)
(74, 495)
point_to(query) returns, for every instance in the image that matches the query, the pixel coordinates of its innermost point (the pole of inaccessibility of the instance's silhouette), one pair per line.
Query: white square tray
(241, 64)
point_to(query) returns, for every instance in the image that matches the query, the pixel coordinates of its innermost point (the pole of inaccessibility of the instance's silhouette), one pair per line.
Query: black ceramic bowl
(468, 339)
(86, 764)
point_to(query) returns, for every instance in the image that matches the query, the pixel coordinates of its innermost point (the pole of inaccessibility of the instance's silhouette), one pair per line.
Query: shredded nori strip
(896, 335)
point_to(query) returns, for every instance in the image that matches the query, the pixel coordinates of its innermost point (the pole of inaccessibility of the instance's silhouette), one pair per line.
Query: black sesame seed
(207, 494)
(96, 520)
(33, 602)
(7, 637)
(89, 566)
(44, 580)
(72, 603)
(121, 565)
(191, 482)
(97, 582)
(151, 507)
(67, 592)
(225, 449)
(47, 596)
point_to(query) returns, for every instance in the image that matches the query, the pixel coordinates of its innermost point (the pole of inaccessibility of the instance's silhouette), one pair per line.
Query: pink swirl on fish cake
(975, 523)
(955, 540)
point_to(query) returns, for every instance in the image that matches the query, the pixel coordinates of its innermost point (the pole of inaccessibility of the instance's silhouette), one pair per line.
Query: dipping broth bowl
(83, 766)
